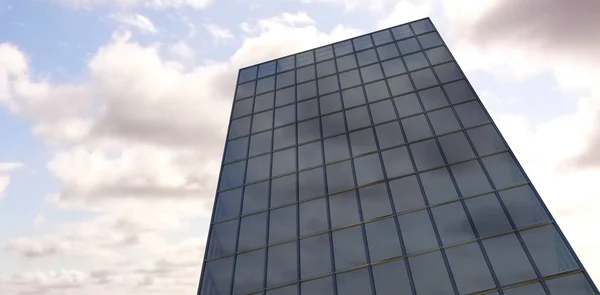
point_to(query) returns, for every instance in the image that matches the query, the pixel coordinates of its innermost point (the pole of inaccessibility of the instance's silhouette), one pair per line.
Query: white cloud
(137, 21)
(39, 220)
(406, 11)
(155, 4)
(182, 51)
(5, 169)
(218, 32)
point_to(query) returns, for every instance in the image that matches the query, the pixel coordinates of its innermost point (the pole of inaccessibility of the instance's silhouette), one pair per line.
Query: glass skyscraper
(370, 166)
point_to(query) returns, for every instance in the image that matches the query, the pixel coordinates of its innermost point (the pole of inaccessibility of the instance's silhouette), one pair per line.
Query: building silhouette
(370, 166)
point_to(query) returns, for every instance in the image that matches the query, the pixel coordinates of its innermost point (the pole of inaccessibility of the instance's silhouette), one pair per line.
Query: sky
(113, 116)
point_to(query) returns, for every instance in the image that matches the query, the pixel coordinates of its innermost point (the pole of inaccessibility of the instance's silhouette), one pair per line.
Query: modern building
(370, 166)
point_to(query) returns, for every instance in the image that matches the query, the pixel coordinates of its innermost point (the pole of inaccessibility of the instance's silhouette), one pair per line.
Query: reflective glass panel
(311, 183)
(282, 225)
(426, 154)
(397, 162)
(417, 232)
(383, 240)
(469, 268)
(438, 186)
(508, 259)
(315, 257)
(430, 274)
(389, 135)
(253, 232)
(407, 105)
(452, 223)
(354, 282)
(391, 278)
(313, 217)
(548, 250)
(249, 272)
(256, 197)
(487, 215)
(368, 169)
(344, 209)
(339, 177)
(349, 248)
(283, 190)
(406, 194)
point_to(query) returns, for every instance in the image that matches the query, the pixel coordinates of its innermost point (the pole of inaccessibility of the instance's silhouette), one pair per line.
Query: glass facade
(370, 166)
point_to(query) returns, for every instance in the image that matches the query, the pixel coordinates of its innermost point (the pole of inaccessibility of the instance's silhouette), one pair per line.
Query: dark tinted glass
(286, 63)
(407, 105)
(470, 178)
(357, 118)
(387, 51)
(443, 121)
(333, 124)
(389, 135)
(353, 97)
(308, 109)
(573, 284)
(362, 42)
(344, 209)
(426, 154)
(306, 90)
(262, 121)
(362, 141)
(310, 155)
(382, 37)
(397, 162)
(282, 226)
(283, 264)
(447, 72)
(222, 239)
(469, 269)
(393, 67)
(326, 68)
(433, 98)
(260, 143)
(415, 61)
(330, 103)
(343, 48)
(228, 204)
(366, 57)
(236, 149)
(430, 274)
(423, 78)
(324, 53)
(408, 46)
(503, 170)
(265, 84)
(239, 127)
(264, 102)
(368, 169)
(523, 206)
(283, 190)
(284, 161)
(456, 147)
(339, 177)
(391, 278)
(400, 85)
(217, 277)
(256, 197)
(242, 108)
(247, 74)
(311, 183)
(285, 96)
(354, 282)
(459, 91)
(253, 232)
(438, 186)
(304, 58)
(382, 111)
(305, 74)
(328, 84)
(245, 90)
(376, 91)
(349, 248)
(406, 194)
(383, 240)
(288, 290)
(315, 257)
(336, 148)
(430, 40)
(417, 232)
(258, 168)
(422, 26)
(266, 69)
(249, 272)
(486, 140)
(313, 217)
(371, 73)
(548, 250)
(345, 63)
(438, 55)
(309, 130)
(488, 216)
(452, 223)
(232, 175)
(349, 79)
(532, 289)
(374, 201)
(508, 259)
(286, 79)
(401, 32)
(284, 137)
(323, 286)
(416, 128)
(471, 114)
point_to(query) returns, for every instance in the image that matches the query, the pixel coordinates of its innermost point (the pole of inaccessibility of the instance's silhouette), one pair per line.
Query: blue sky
(89, 148)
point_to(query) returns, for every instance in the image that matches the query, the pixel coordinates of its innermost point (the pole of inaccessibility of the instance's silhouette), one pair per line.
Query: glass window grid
(462, 200)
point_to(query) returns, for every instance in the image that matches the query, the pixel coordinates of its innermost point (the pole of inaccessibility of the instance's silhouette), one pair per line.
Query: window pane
(309, 130)
(310, 155)
(285, 96)
(400, 85)
(311, 183)
(236, 149)
(371, 73)
(401, 32)
(407, 105)
(430, 40)
(239, 127)
(470, 178)
(443, 121)
(366, 57)
(548, 250)
(313, 217)
(245, 90)
(391, 278)
(286, 79)
(328, 84)
(452, 223)
(448, 72)
(357, 118)
(438, 55)
(532, 289)
(333, 124)
(573, 284)
(508, 259)
(383, 240)
(503, 170)
(382, 37)
(346, 62)
(349, 79)
(406, 194)
(417, 232)
(284, 137)
(416, 128)
(408, 46)
(397, 162)
(322, 286)
(426, 154)
(486, 140)
(342, 48)
(253, 232)
(249, 272)
(222, 239)
(344, 209)
(374, 201)
(362, 141)
(247, 74)
(422, 26)
(523, 206)
(330, 103)
(262, 121)
(459, 91)
(349, 248)
(242, 108)
(423, 78)
(260, 143)
(368, 169)
(339, 177)
(336, 148)
(305, 74)
(228, 204)
(456, 147)
(232, 175)
(282, 224)
(217, 277)
(415, 61)
(387, 51)
(433, 98)
(393, 67)
(324, 53)
(264, 102)
(265, 84)
(376, 91)
(382, 111)
(471, 114)
(430, 274)
(256, 197)
(355, 282)
(353, 97)
(488, 216)
(289, 290)
(304, 58)
(286, 63)
(315, 257)
(326, 68)
(283, 162)
(308, 109)
(438, 186)
(306, 90)
(283, 190)
(362, 42)
(469, 269)
(389, 135)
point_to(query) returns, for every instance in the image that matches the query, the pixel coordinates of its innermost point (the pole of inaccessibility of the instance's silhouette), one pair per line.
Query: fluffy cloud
(218, 32)
(156, 4)
(136, 20)
(5, 169)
